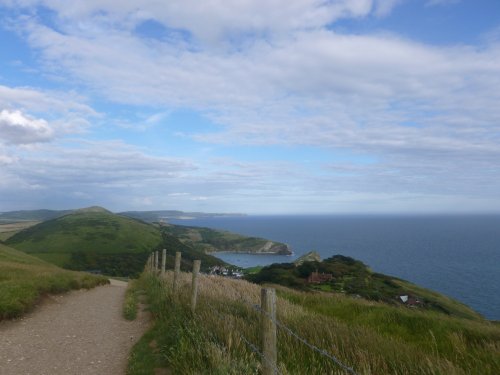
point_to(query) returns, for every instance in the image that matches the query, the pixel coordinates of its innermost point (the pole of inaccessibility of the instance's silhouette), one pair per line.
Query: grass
(91, 240)
(7, 230)
(131, 301)
(25, 279)
(87, 232)
(374, 338)
(353, 277)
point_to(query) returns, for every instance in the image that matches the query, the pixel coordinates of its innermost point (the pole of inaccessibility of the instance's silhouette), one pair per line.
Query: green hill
(189, 253)
(24, 279)
(91, 239)
(341, 274)
(209, 240)
(94, 239)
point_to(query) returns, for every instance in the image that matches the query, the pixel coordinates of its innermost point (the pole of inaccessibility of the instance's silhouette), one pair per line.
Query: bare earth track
(80, 333)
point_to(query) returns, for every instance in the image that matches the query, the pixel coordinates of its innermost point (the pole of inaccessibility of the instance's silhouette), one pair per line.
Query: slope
(24, 278)
(91, 239)
(349, 276)
(210, 240)
(372, 337)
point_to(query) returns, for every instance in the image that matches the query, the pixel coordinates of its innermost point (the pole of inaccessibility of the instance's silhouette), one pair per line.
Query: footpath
(78, 333)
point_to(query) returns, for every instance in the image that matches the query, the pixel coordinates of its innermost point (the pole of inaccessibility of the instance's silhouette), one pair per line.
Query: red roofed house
(318, 278)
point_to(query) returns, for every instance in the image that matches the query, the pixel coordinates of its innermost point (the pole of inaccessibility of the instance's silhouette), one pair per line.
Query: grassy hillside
(24, 279)
(173, 244)
(372, 337)
(7, 230)
(91, 239)
(354, 278)
(211, 240)
(95, 239)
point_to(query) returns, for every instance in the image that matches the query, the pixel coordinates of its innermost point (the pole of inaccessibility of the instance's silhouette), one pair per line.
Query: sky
(251, 106)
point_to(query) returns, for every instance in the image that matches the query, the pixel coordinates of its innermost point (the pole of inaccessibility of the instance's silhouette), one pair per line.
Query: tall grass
(131, 301)
(24, 279)
(372, 338)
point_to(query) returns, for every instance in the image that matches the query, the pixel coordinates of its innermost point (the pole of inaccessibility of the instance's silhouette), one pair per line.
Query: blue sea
(455, 255)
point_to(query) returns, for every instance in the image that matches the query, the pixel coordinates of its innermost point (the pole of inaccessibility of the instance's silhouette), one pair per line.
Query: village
(234, 273)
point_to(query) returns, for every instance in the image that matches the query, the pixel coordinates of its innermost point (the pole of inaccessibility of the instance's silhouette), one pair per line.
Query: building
(318, 278)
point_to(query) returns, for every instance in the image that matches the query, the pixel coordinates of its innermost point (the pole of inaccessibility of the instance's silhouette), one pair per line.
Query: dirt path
(80, 333)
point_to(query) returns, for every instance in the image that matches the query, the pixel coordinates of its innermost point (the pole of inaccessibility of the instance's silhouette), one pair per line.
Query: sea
(458, 256)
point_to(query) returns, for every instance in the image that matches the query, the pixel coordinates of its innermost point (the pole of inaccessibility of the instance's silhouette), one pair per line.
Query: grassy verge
(24, 279)
(373, 338)
(131, 301)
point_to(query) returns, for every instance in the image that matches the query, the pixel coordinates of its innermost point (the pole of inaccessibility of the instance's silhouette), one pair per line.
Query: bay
(455, 255)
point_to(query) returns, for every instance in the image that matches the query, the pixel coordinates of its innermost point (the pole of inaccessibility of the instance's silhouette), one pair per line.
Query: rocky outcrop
(311, 256)
(271, 247)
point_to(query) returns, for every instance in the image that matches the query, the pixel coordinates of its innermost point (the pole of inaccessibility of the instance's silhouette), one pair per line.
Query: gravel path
(80, 333)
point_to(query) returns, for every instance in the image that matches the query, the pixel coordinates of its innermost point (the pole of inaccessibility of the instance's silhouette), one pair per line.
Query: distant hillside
(346, 275)
(11, 228)
(147, 216)
(189, 253)
(32, 215)
(92, 239)
(165, 215)
(210, 240)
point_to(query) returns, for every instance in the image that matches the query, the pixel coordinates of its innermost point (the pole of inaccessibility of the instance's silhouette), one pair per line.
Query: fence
(267, 351)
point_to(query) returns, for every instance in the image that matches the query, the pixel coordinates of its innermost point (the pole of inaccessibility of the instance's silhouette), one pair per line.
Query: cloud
(441, 2)
(19, 128)
(270, 73)
(80, 171)
(385, 7)
(34, 100)
(66, 112)
(6, 160)
(211, 20)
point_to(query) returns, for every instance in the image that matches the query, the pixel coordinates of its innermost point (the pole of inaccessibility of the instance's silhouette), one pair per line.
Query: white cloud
(385, 7)
(269, 73)
(19, 128)
(210, 20)
(177, 194)
(6, 160)
(33, 100)
(66, 112)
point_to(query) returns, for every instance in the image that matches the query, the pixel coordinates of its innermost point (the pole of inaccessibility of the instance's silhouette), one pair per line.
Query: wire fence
(255, 348)
(323, 352)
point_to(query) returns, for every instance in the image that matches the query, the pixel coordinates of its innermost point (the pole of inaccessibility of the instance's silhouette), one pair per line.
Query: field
(8, 229)
(373, 338)
(25, 279)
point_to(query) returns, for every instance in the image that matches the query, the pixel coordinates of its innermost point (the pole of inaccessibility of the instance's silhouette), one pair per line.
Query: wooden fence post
(194, 284)
(163, 262)
(150, 263)
(156, 261)
(268, 326)
(177, 270)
